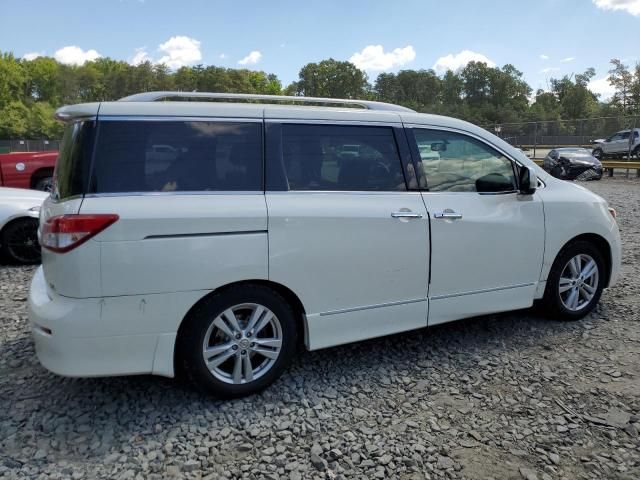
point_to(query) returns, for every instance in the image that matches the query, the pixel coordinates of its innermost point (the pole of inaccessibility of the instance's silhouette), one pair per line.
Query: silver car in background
(19, 212)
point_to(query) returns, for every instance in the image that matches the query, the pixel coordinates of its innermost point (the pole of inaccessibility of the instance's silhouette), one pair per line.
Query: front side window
(625, 135)
(452, 162)
(343, 158)
(165, 156)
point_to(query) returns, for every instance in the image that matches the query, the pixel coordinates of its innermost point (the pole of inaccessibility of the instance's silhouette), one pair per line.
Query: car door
(614, 144)
(487, 240)
(345, 232)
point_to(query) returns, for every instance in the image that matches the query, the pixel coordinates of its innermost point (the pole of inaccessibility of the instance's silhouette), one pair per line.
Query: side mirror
(528, 180)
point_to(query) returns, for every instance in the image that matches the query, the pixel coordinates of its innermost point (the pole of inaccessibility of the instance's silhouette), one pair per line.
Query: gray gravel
(505, 396)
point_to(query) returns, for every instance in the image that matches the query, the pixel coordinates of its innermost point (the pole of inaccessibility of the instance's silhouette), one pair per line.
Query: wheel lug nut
(252, 345)
(248, 334)
(243, 352)
(235, 347)
(238, 336)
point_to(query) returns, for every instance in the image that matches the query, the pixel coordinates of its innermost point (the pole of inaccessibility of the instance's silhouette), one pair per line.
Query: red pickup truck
(27, 170)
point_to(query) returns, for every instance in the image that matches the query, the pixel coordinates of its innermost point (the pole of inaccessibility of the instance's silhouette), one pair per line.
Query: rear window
(166, 156)
(74, 158)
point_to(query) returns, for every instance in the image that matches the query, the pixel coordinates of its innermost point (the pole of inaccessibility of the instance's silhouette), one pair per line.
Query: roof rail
(157, 96)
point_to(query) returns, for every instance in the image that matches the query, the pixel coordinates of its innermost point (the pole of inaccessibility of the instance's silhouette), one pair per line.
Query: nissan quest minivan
(210, 235)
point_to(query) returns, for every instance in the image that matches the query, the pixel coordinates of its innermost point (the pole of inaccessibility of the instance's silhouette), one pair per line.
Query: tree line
(30, 91)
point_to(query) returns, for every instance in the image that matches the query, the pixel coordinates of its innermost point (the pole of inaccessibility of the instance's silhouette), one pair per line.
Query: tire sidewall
(552, 293)
(192, 334)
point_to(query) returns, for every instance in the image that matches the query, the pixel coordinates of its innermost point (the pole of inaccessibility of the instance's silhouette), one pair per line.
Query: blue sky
(543, 38)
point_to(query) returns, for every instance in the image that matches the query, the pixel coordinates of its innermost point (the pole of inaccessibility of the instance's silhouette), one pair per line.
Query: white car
(262, 236)
(618, 144)
(19, 211)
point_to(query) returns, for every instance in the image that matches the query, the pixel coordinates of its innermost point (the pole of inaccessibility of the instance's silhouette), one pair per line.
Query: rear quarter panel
(171, 243)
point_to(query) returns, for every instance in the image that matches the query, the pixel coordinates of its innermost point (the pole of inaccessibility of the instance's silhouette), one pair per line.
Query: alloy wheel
(578, 282)
(22, 242)
(242, 343)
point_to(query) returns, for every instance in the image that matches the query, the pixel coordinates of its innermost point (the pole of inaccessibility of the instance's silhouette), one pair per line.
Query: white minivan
(210, 235)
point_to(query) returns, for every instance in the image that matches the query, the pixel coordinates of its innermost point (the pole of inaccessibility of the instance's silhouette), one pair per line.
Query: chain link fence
(8, 146)
(537, 138)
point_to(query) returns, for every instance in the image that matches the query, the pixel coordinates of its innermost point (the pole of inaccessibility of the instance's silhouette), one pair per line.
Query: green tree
(41, 123)
(574, 96)
(13, 80)
(14, 120)
(332, 78)
(622, 79)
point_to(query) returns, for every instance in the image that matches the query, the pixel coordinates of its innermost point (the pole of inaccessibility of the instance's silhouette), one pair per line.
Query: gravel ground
(506, 397)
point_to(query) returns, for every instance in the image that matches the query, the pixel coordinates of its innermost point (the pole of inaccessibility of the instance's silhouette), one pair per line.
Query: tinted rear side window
(337, 157)
(74, 158)
(156, 156)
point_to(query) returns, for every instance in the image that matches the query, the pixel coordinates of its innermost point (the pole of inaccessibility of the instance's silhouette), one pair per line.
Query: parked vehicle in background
(572, 163)
(617, 145)
(282, 224)
(32, 170)
(19, 211)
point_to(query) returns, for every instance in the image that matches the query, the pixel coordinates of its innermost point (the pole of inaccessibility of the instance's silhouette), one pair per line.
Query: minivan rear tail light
(66, 232)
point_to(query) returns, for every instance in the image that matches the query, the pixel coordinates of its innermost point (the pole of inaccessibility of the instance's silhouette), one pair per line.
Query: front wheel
(20, 241)
(237, 342)
(575, 282)
(598, 153)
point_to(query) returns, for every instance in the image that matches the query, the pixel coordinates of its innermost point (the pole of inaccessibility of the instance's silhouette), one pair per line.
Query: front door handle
(447, 215)
(407, 214)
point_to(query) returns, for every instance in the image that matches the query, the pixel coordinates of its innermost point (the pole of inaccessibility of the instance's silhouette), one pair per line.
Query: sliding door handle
(408, 214)
(447, 215)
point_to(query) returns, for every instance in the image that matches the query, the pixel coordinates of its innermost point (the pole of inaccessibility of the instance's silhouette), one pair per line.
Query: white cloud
(373, 57)
(222, 56)
(459, 60)
(251, 59)
(73, 55)
(544, 57)
(180, 51)
(602, 87)
(549, 69)
(32, 56)
(140, 56)
(282, 45)
(630, 6)
(568, 59)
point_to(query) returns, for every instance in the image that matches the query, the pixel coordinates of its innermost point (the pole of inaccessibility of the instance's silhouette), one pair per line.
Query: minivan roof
(129, 107)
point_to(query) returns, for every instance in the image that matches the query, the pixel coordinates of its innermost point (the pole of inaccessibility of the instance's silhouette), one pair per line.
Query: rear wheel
(636, 153)
(237, 342)
(45, 184)
(20, 241)
(575, 282)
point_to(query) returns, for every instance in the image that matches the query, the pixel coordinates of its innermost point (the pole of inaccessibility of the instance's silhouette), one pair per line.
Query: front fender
(570, 211)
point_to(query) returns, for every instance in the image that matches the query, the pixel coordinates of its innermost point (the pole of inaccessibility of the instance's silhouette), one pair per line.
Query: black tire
(598, 153)
(20, 241)
(636, 153)
(552, 301)
(44, 184)
(190, 360)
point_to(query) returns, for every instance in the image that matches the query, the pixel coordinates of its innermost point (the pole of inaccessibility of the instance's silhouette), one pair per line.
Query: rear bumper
(105, 336)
